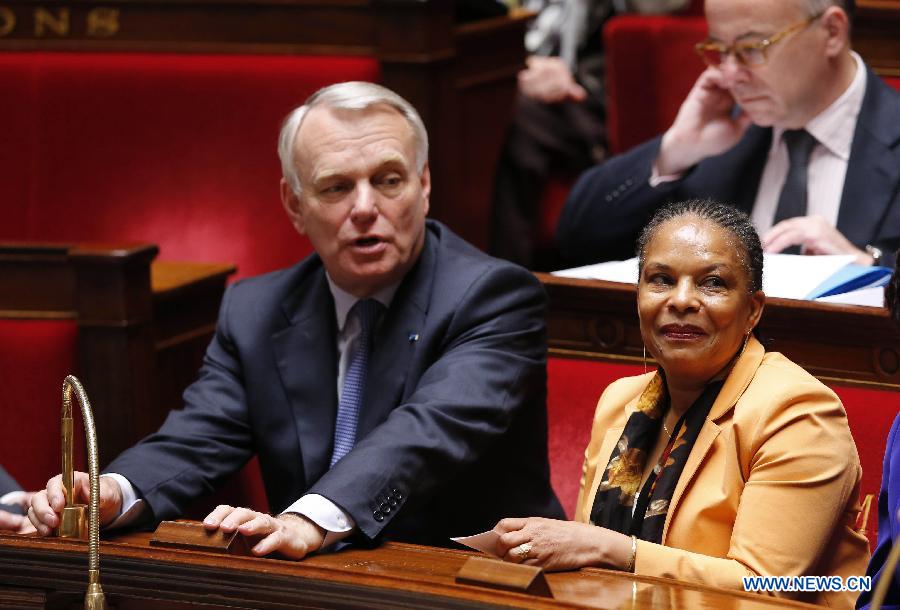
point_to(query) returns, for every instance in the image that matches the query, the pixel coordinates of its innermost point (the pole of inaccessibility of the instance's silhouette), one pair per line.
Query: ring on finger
(522, 551)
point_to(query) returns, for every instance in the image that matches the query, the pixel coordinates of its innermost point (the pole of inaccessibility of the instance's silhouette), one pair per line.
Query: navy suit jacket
(8, 484)
(611, 203)
(888, 528)
(453, 433)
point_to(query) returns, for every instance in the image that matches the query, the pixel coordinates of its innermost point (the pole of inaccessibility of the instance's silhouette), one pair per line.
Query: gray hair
(817, 7)
(353, 95)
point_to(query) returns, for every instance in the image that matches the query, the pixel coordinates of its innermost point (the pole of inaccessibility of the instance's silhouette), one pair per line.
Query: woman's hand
(561, 545)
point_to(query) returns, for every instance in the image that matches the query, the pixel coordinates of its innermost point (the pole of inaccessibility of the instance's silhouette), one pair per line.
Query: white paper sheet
(613, 271)
(486, 542)
(793, 276)
(870, 297)
(787, 276)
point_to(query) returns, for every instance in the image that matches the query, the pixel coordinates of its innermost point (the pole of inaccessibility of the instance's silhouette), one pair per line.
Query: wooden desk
(845, 344)
(51, 573)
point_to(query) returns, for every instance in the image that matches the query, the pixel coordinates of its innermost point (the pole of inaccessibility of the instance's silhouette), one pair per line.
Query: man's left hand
(294, 536)
(814, 236)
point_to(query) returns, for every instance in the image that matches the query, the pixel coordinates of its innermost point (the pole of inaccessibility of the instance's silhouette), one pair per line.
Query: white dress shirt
(833, 129)
(318, 509)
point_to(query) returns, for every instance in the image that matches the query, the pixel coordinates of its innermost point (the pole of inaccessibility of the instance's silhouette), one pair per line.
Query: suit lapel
(735, 385)
(873, 171)
(306, 354)
(396, 340)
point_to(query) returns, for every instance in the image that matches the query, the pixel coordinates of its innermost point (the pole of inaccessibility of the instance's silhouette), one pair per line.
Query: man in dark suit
(392, 384)
(787, 123)
(12, 503)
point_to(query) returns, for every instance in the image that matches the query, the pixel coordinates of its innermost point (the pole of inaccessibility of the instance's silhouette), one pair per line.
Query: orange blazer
(770, 488)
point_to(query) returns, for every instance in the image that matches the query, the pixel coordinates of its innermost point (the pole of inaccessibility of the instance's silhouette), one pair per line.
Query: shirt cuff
(656, 179)
(132, 506)
(14, 498)
(327, 515)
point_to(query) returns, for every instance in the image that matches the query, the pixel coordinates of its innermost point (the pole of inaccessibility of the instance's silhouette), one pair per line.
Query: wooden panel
(846, 344)
(139, 344)
(133, 575)
(876, 34)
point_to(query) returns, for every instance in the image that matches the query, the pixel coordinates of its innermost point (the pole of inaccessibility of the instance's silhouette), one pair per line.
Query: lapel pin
(413, 337)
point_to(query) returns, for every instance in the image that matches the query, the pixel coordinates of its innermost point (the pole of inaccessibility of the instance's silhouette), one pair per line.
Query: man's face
(362, 202)
(787, 90)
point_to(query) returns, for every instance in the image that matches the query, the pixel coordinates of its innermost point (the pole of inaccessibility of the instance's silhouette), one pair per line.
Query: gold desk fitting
(73, 523)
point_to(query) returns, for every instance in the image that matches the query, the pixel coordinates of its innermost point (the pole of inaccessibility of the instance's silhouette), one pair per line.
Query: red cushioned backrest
(893, 81)
(177, 150)
(651, 66)
(573, 389)
(35, 357)
(870, 413)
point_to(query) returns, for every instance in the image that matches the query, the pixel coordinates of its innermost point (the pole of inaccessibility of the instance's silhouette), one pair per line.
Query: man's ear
(292, 205)
(425, 178)
(837, 28)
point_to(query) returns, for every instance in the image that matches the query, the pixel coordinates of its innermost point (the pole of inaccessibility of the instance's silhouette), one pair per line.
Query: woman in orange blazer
(725, 463)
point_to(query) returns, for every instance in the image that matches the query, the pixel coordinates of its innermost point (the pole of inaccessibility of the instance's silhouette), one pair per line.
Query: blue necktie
(367, 311)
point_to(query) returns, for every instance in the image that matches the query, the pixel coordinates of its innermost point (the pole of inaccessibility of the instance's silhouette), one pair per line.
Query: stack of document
(830, 279)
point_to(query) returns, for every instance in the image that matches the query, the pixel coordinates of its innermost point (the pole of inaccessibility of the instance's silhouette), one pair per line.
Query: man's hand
(703, 128)
(47, 505)
(814, 236)
(561, 545)
(17, 524)
(292, 535)
(549, 80)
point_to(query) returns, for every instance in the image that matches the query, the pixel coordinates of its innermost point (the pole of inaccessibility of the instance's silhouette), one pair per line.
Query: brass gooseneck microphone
(72, 522)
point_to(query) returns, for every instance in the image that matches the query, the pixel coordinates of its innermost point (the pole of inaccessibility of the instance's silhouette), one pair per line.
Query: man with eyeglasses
(786, 122)
(393, 384)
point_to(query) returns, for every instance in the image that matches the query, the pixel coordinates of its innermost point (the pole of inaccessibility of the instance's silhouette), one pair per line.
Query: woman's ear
(757, 304)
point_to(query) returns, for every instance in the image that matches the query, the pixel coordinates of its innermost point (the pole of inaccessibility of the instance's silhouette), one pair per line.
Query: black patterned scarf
(614, 502)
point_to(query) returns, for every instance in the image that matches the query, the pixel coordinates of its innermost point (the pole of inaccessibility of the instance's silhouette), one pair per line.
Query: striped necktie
(367, 311)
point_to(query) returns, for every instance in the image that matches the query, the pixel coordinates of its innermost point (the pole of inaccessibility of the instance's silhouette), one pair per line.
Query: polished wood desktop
(844, 344)
(51, 573)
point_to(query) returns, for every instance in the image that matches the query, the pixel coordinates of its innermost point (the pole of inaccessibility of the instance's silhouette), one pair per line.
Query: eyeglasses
(750, 54)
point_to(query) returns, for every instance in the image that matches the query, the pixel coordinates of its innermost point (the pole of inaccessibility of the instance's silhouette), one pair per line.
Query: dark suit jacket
(8, 484)
(611, 203)
(888, 528)
(453, 433)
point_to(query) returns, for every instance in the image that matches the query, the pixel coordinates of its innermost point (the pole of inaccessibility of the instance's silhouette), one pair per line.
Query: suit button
(385, 507)
(609, 198)
(398, 496)
(393, 502)
(378, 516)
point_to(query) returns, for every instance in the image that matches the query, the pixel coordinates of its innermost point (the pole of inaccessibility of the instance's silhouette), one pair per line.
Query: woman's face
(694, 302)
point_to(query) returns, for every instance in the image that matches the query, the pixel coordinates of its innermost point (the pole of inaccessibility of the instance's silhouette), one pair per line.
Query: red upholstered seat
(177, 150)
(573, 389)
(35, 356)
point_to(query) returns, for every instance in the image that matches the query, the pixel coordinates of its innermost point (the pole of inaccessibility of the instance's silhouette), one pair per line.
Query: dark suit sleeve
(200, 446)
(609, 205)
(888, 528)
(8, 484)
(488, 370)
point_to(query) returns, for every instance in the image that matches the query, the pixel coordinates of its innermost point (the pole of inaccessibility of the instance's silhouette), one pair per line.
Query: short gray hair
(817, 7)
(353, 95)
